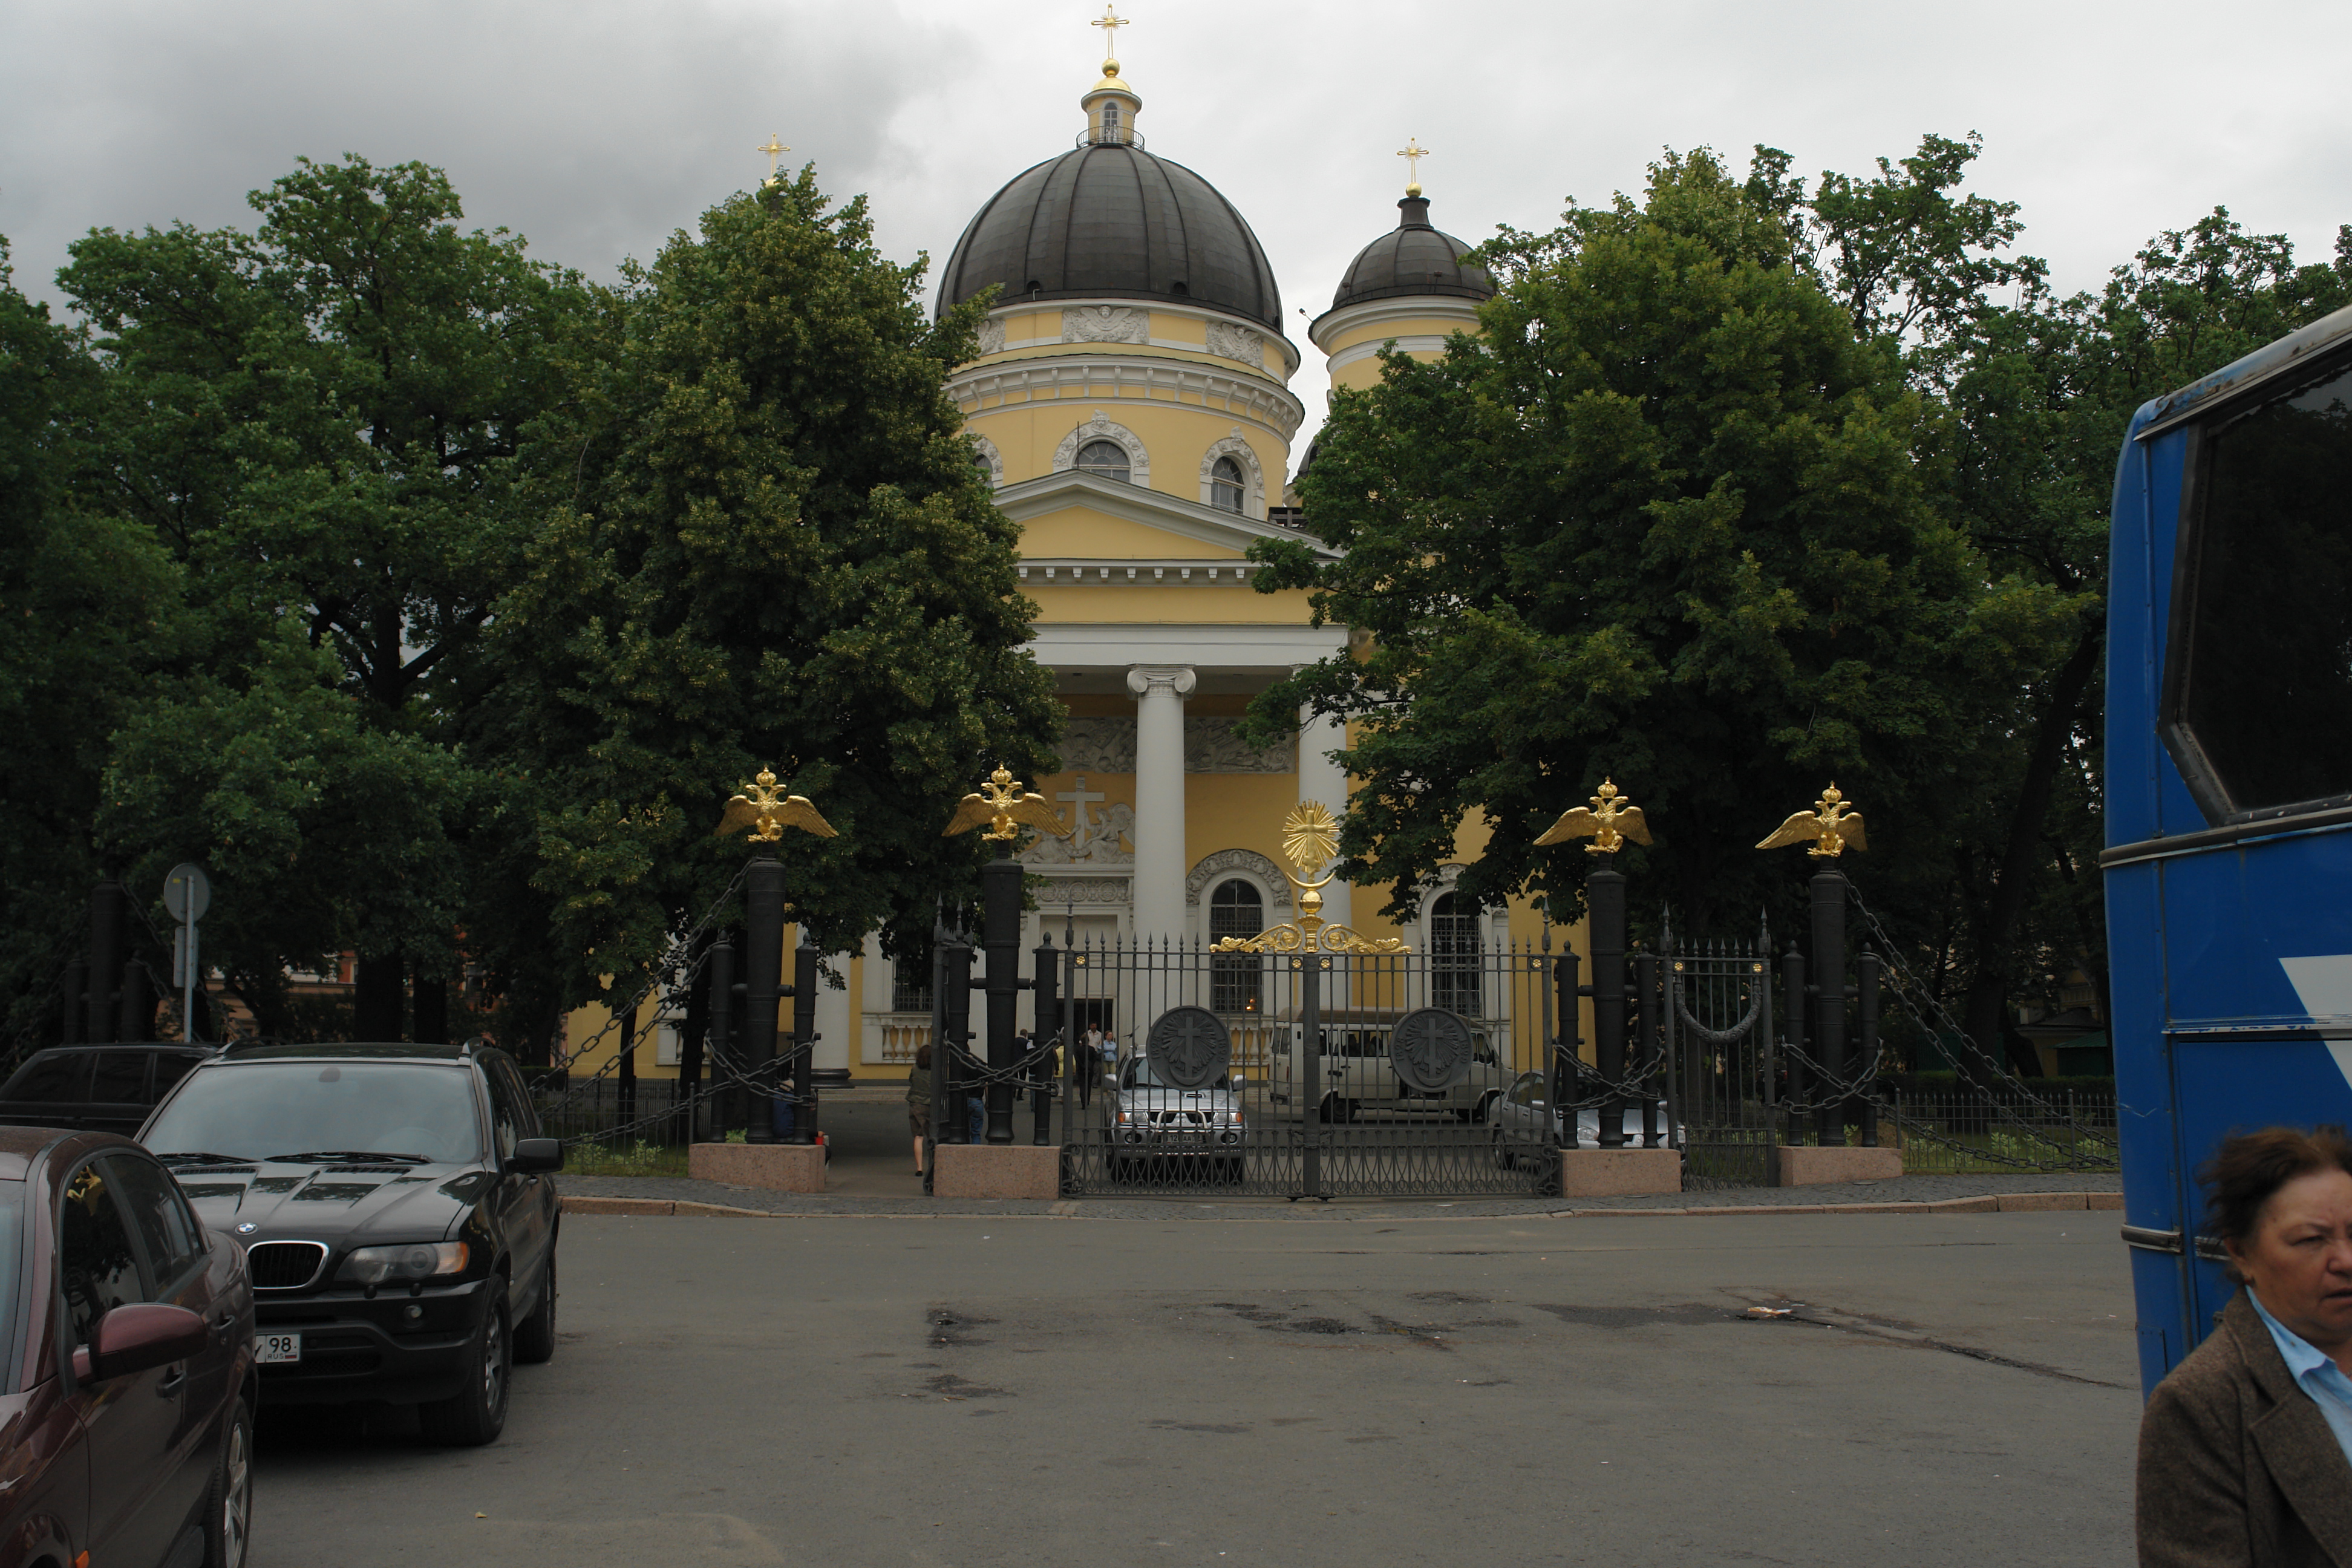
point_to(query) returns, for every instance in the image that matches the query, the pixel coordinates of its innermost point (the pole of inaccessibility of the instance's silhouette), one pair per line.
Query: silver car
(1153, 1120)
(1519, 1121)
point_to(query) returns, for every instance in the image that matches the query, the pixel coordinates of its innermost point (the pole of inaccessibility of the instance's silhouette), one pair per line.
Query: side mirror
(536, 1156)
(137, 1338)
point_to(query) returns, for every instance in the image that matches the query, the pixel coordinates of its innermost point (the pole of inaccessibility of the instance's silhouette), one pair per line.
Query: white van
(1356, 1078)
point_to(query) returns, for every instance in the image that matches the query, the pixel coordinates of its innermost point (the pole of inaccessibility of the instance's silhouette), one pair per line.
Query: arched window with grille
(1225, 485)
(1234, 909)
(1107, 459)
(1453, 961)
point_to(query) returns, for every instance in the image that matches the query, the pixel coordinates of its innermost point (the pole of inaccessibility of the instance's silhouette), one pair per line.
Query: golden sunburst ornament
(1310, 837)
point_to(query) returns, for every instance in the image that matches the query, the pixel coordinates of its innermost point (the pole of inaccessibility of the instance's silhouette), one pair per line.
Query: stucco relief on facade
(1102, 427)
(1228, 342)
(1104, 324)
(1211, 746)
(991, 336)
(1214, 867)
(985, 450)
(1081, 890)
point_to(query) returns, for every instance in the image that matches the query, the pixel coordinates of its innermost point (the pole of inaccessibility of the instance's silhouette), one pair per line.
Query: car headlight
(1124, 1118)
(411, 1260)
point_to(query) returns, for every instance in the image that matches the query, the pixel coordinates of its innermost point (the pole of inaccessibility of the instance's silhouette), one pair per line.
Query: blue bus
(2229, 793)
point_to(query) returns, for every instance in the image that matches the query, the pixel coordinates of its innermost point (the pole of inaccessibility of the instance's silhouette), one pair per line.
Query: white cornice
(1416, 343)
(1033, 498)
(1290, 356)
(1168, 571)
(1113, 645)
(1163, 383)
(1404, 308)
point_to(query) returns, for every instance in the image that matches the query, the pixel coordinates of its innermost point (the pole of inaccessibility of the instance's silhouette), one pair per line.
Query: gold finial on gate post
(1833, 827)
(1608, 824)
(1310, 842)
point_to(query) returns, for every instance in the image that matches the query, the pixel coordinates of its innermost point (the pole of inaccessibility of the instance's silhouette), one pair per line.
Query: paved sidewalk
(1903, 1190)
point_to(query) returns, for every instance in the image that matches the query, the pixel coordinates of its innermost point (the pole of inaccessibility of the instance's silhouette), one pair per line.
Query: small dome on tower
(1412, 258)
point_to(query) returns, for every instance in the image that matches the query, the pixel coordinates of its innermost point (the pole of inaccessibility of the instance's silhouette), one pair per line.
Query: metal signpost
(187, 894)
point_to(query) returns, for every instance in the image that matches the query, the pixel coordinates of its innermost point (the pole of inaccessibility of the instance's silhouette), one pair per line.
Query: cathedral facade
(1132, 406)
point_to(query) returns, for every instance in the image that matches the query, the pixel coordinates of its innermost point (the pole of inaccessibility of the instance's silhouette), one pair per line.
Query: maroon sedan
(126, 1427)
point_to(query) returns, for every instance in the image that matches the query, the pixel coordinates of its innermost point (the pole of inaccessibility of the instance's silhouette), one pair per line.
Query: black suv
(395, 1212)
(98, 1088)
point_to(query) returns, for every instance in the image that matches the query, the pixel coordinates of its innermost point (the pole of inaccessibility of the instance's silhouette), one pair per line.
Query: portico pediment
(1078, 514)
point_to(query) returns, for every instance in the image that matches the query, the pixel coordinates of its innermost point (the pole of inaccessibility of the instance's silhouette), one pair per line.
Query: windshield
(255, 1109)
(1140, 1076)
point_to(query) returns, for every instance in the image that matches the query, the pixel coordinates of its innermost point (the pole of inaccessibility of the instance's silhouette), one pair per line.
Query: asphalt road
(1497, 1391)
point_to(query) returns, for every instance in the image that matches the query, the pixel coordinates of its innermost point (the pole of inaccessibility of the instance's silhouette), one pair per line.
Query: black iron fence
(1308, 1074)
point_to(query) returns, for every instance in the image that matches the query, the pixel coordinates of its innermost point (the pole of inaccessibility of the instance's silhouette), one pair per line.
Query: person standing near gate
(1093, 1064)
(918, 1103)
(1084, 1064)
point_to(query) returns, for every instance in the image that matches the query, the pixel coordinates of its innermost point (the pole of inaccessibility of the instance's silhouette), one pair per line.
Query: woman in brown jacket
(2244, 1449)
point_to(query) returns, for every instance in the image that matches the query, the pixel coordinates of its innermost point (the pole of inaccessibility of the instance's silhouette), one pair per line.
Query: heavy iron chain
(1918, 1002)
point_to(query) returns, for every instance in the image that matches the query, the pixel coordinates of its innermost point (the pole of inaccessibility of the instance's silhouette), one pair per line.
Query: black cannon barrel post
(955, 1010)
(1604, 902)
(764, 963)
(1829, 996)
(135, 1016)
(719, 1006)
(805, 981)
(1310, 1092)
(1792, 978)
(1046, 962)
(1866, 978)
(1000, 888)
(1568, 1055)
(74, 1016)
(1649, 1037)
(105, 959)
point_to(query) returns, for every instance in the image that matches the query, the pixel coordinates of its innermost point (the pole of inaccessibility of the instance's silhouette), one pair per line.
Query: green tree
(770, 545)
(328, 422)
(1672, 520)
(91, 606)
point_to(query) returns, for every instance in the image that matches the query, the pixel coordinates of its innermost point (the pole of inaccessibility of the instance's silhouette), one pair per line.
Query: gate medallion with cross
(1190, 1047)
(1430, 1047)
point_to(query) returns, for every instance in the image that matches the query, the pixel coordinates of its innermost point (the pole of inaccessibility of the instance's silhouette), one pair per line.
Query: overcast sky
(598, 127)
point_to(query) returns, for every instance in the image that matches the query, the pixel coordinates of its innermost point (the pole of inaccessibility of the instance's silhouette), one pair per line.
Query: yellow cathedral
(1132, 406)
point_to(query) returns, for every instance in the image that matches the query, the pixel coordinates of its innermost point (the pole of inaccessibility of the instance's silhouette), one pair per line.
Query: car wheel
(534, 1337)
(228, 1502)
(1504, 1158)
(476, 1412)
(1485, 1110)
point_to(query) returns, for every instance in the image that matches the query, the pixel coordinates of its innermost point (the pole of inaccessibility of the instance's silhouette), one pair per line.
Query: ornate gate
(1719, 1048)
(1305, 1073)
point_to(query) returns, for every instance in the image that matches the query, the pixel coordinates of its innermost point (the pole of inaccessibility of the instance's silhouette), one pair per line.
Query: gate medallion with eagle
(1430, 1047)
(1190, 1047)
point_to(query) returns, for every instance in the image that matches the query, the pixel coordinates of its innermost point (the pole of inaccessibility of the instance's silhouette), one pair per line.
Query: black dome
(1412, 258)
(1109, 220)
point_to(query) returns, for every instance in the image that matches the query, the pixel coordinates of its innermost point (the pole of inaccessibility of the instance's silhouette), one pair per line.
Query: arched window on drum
(1453, 961)
(1107, 459)
(1225, 485)
(1234, 978)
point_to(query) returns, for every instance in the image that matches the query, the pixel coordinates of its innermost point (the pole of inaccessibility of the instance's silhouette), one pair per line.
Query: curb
(1991, 1202)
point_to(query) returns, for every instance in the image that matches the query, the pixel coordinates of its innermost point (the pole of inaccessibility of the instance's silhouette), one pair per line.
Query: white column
(1159, 863)
(837, 1018)
(1320, 778)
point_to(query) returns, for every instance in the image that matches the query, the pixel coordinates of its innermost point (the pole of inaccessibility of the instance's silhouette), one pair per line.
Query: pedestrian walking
(918, 1103)
(1085, 1066)
(2245, 1450)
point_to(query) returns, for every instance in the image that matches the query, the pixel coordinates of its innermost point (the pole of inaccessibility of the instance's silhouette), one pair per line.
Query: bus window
(2263, 686)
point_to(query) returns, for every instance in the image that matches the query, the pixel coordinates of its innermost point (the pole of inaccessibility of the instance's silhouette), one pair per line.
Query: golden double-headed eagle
(1608, 824)
(1831, 827)
(1001, 805)
(767, 811)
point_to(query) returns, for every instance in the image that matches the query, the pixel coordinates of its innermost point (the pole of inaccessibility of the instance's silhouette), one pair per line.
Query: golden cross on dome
(775, 146)
(1111, 21)
(1413, 154)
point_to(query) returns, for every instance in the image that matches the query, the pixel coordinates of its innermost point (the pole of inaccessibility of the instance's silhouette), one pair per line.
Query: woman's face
(2299, 1260)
